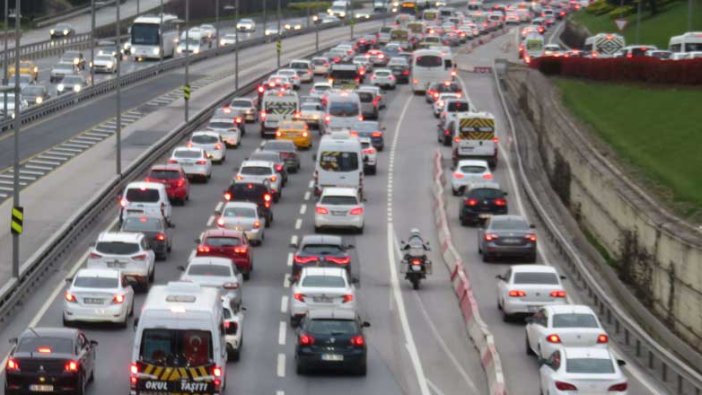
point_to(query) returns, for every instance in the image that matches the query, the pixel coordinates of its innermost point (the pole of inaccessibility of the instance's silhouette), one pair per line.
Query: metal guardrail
(47, 48)
(673, 370)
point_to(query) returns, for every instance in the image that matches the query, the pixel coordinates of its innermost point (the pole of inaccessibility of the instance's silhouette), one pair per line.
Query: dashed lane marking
(284, 304)
(290, 259)
(303, 209)
(280, 368)
(282, 330)
(298, 224)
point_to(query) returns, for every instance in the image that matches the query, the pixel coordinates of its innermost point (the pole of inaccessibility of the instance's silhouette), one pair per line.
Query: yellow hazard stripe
(477, 135)
(16, 227)
(17, 214)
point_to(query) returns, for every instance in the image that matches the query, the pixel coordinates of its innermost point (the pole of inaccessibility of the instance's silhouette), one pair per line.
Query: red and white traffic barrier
(475, 326)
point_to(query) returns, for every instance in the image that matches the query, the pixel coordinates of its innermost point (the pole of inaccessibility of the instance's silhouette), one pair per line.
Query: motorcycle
(415, 264)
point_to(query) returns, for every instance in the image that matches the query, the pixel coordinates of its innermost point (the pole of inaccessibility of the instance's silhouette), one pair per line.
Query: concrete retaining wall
(659, 255)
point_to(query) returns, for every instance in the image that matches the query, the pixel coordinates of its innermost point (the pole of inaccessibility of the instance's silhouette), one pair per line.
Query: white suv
(125, 251)
(339, 208)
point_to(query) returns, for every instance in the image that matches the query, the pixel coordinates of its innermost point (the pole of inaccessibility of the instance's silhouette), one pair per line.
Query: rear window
(223, 241)
(365, 97)
(319, 62)
(473, 169)
(188, 154)
(514, 224)
(145, 195)
(204, 139)
(210, 270)
(589, 365)
(141, 224)
(344, 74)
(117, 248)
(383, 73)
(339, 200)
(322, 88)
(278, 146)
(239, 212)
(322, 249)
(164, 174)
(247, 191)
(331, 327)
(338, 161)
(458, 106)
(486, 193)
(299, 65)
(574, 321)
(256, 171)
(96, 282)
(324, 281)
(428, 61)
(535, 278)
(54, 345)
(343, 108)
(221, 125)
(241, 103)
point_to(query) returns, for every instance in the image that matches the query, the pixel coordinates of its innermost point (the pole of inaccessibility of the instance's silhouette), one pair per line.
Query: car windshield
(457, 106)
(210, 270)
(142, 224)
(142, 195)
(343, 109)
(256, 171)
(45, 344)
(106, 58)
(339, 200)
(331, 327)
(266, 156)
(117, 247)
(486, 193)
(498, 223)
(187, 154)
(145, 34)
(219, 241)
(247, 212)
(535, 278)
(472, 169)
(64, 66)
(428, 60)
(73, 79)
(311, 107)
(366, 127)
(241, 103)
(589, 365)
(176, 347)
(338, 161)
(96, 282)
(204, 139)
(33, 90)
(164, 174)
(322, 249)
(323, 281)
(573, 320)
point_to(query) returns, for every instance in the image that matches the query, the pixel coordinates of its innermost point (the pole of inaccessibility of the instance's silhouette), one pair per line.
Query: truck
(277, 105)
(474, 138)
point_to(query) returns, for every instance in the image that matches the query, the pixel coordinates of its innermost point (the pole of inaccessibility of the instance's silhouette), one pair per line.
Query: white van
(339, 162)
(688, 42)
(342, 110)
(145, 198)
(179, 344)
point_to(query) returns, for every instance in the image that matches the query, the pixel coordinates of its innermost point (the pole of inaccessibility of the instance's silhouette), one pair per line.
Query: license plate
(41, 388)
(533, 309)
(332, 357)
(322, 299)
(134, 211)
(416, 268)
(119, 265)
(338, 213)
(93, 301)
(484, 216)
(512, 241)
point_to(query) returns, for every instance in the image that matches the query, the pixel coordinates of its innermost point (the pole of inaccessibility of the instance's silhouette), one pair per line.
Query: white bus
(429, 66)
(148, 34)
(687, 42)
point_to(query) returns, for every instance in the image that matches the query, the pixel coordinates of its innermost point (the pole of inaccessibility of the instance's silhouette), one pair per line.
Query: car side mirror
(136, 322)
(500, 277)
(366, 324)
(242, 308)
(293, 245)
(94, 343)
(171, 225)
(355, 280)
(13, 341)
(69, 279)
(621, 362)
(532, 226)
(314, 157)
(383, 128)
(92, 244)
(197, 240)
(218, 212)
(563, 277)
(504, 193)
(181, 268)
(543, 361)
(350, 246)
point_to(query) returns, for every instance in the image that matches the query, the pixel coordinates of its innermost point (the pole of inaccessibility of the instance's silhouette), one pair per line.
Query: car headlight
(52, 31)
(196, 50)
(60, 87)
(76, 88)
(156, 51)
(110, 65)
(36, 69)
(126, 45)
(65, 32)
(179, 50)
(342, 13)
(39, 100)
(76, 61)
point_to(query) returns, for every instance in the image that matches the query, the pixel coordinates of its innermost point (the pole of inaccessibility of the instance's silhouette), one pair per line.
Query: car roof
(323, 271)
(106, 273)
(144, 185)
(509, 217)
(487, 184)
(586, 352)
(569, 308)
(133, 237)
(321, 239)
(339, 191)
(188, 149)
(65, 333)
(236, 203)
(533, 269)
(205, 133)
(338, 314)
(220, 232)
(472, 162)
(210, 260)
(263, 163)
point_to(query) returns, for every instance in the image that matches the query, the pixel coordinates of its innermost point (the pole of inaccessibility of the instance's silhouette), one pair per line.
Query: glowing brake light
(322, 210)
(203, 249)
(12, 365)
(227, 196)
(602, 339)
(358, 341)
(44, 350)
(305, 340)
(516, 294)
(458, 175)
(356, 211)
(471, 202)
(71, 366)
(220, 221)
(70, 297)
(490, 237)
(555, 339)
(118, 299)
(558, 294)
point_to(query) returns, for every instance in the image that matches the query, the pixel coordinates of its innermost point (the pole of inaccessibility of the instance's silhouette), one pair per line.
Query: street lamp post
(187, 59)
(4, 63)
(118, 92)
(279, 35)
(236, 49)
(160, 39)
(92, 40)
(17, 124)
(217, 23)
(264, 16)
(316, 30)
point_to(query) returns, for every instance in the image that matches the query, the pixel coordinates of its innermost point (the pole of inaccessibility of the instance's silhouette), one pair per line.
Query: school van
(339, 162)
(179, 343)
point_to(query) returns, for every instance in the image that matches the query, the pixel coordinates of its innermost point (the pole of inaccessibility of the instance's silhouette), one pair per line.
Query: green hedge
(621, 12)
(600, 8)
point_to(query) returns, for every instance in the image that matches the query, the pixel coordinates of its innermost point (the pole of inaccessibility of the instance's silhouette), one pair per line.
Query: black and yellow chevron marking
(477, 135)
(278, 46)
(17, 226)
(477, 123)
(186, 91)
(165, 373)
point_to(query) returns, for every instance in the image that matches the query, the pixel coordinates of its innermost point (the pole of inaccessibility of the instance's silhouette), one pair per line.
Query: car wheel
(506, 317)
(152, 275)
(123, 324)
(301, 368)
(317, 229)
(131, 310)
(247, 275)
(80, 390)
(529, 351)
(361, 370)
(360, 230)
(455, 192)
(67, 323)
(487, 257)
(532, 258)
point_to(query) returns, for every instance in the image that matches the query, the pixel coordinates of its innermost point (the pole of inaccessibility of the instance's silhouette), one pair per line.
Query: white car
(227, 39)
(244, 106)
(104, 64)
(370, 156)
(233, 317)
(321, 287)
(440, 101)
(292, 76)
(582, 370)
(271, 31)
(312, 114)
(227, 130)
(339, 208)
(208, 31)
(554, 327)
(215, 272)
(261, 171)
(125, 251)
(246, 25)
(303, 67)
(211, 143)
(98, 295)
(320, 65)
(292, 26)
(243, 216)
(383, 78)
(467, 172)
(320, 88)
(524, 289)
(194, 162)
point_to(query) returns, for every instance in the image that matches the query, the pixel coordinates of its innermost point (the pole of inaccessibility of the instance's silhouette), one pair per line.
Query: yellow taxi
(25, 67)
(296, 131)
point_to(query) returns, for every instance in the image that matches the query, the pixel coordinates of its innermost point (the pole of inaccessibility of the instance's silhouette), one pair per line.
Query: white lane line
(76, 145)
(21, 177)
(436, 389)
(3, 196)
(282, 330)
(392, 265)
(210, 220)
(298, 224)
(88, 138)
(290, 259)
(279, 392)
(284, 304)
(36, 173)
(307, 195)
(219, 206)
(286, 280)
(192, 255)
(280, 369)
(44, 162)
(53, 157)
(311, 184)
(303, 209)
(73, 150)
(293, 239)
(31, 166)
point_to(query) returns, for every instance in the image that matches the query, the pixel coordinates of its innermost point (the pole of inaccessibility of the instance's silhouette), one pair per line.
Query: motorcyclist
(415, 241)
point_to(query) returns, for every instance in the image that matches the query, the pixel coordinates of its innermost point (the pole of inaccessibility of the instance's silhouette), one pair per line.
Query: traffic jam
(321, 117)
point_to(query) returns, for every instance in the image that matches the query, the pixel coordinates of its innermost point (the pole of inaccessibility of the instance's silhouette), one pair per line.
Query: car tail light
(405, 72)
(12, 365)
(356, 211)
(218, 147)
(305, 340)
(299, 297)
(358, 341)
(490, 237)
(70, 297)
(278, 167)
(369, 151)
(230, 286)
(161, 236)
(72, 366)
(458, 175)
(415, 81)
(263, 115)
(217, 374)
(347, 298)
(531, 237)
(260, 89)
(435, 95)
(563, 386)
(321, 210)
(487, 176)
(278, 133)
(241, 250)
(239, 177)
(227, 196)
(257, 224)
(456, 139)
(139, 257)
(555, 339)
(267, 197)
(377, 134)
(471, 202)
(621, 387)
(516, 294)
(180, 183)
(305, 259)
(500, 202)
(172, 161)
(360, 117)
(341, 260)
(118, 299)
(201, 162)
(274, 178)
(133, 372)
(602, 339)
(203, 249)
(416, 261)
(220, 221)
(558, 294)
(94, 255)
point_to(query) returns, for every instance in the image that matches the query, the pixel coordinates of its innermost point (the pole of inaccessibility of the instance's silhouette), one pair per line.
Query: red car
(173, 176)
(230, 244)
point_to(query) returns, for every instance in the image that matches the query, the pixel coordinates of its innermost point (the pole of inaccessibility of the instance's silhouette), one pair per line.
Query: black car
(400, 69)
(482, 201)
(277, 159)
(373, 130)
(156, 231)
(331, 339)
(253, 192)
(50, 360)
(288, 152)
(321, 250)
(438, 88)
